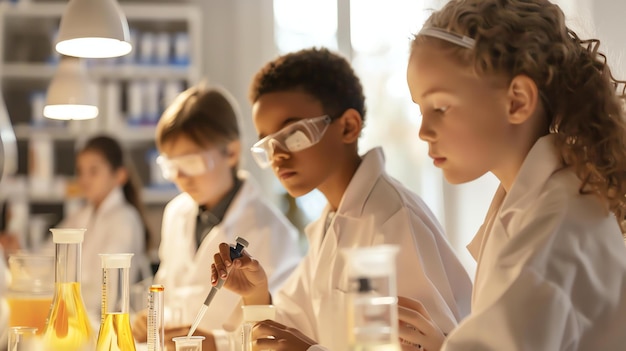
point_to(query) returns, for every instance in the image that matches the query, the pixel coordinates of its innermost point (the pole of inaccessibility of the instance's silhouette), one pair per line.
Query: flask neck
(67, 262)
(115, 290)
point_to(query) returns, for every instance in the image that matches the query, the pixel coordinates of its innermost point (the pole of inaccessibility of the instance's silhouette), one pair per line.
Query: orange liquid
(29, 312)
(68, 328)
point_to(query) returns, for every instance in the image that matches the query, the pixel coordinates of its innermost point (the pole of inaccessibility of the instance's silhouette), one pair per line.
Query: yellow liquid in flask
(115, 333)
(68, 327)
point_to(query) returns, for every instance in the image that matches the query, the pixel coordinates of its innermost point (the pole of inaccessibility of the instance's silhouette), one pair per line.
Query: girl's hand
(270, 335)
(417, 329)
(245, 276)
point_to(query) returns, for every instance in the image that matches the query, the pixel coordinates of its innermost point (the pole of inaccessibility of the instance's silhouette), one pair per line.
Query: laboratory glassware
(373, 307)
(156, 328)
(68, 327)
(115, 333)
(30, 293)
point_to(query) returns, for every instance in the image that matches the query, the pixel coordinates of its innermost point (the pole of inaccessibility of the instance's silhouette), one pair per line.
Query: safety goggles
(190, 165)
(292, 138)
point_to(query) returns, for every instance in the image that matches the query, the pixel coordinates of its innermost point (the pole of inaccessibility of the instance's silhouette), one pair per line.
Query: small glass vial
(253, 314)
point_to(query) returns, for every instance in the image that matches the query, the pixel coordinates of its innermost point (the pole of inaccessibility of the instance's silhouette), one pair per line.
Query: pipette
(235, 252)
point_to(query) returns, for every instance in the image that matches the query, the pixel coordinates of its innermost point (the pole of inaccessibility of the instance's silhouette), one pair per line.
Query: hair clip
(446, 35)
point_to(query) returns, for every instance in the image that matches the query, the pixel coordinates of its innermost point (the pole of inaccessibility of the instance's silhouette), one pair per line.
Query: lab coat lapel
(185, 243)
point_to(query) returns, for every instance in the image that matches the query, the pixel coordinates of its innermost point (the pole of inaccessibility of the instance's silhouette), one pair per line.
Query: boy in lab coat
(309, 110)
(199, 141)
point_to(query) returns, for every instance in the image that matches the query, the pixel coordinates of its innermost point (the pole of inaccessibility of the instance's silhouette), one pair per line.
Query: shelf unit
(25, 47)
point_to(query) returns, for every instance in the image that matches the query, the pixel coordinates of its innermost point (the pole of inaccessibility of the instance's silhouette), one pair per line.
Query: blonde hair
(582, 100)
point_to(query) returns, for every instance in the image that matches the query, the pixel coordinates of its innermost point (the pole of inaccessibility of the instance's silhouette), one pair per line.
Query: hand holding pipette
(245, 276)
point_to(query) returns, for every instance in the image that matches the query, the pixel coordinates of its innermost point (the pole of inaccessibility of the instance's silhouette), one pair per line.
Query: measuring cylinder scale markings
(115, 333)
(156, 327)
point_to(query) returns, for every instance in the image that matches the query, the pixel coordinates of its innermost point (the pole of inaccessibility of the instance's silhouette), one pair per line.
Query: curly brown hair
(582, 100)
(325, 75)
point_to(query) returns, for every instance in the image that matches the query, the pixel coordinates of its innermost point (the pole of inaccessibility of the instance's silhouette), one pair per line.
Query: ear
(121, 176)
(523, 99)
(352, 123)
(233, 152)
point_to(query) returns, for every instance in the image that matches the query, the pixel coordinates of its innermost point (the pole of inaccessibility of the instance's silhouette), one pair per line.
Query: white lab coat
(375, 209)
(551, 269)
(186, 272)
(115, 227)
(4, 307)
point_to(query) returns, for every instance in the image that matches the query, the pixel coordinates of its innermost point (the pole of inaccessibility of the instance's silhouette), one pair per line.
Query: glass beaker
(188, 343)
(68, 327)
(23, 339)
(373, 308)
(30, 293)
(115, 333)
(251, 315)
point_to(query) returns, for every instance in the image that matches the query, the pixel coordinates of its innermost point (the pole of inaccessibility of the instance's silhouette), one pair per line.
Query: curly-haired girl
(505, 87)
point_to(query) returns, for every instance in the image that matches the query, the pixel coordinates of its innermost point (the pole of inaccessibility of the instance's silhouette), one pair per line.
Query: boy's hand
(417, 329)
(245, 276)
(270, 335)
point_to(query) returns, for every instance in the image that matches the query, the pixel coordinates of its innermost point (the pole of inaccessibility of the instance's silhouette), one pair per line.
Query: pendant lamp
(93, 29)
(71, 95)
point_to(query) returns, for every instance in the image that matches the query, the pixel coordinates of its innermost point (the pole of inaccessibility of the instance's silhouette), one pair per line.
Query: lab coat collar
(540, 163)
(239, 203)
(371, 168)
(114, 199)
(350, 208)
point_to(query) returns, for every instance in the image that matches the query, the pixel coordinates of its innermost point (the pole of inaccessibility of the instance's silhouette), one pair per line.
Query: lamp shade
(71, 95)
(93, 29)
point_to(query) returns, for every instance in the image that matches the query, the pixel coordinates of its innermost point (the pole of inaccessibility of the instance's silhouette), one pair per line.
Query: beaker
(23, 339)
(251, 315)
(188, 343)
(115, 333)
(373, 307)
(30, 293)
(68, 327)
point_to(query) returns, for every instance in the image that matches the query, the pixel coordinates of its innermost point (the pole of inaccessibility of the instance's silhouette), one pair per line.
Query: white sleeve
(317, 348)
(530, 314)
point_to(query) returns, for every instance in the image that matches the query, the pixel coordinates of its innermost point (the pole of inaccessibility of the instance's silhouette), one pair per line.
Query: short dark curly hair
(325, 75)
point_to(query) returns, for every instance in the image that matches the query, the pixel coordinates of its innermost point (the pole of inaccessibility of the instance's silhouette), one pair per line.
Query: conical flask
(115, 333)
(68, 327)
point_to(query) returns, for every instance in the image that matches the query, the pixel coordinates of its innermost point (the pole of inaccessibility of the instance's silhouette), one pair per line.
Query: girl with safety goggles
(199, 141)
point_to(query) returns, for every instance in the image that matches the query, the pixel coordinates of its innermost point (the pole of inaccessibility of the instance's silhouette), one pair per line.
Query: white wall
(238, 40)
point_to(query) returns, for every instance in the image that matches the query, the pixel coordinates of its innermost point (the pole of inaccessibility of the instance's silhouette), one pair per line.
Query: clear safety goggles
(292, 138)
(190, 165)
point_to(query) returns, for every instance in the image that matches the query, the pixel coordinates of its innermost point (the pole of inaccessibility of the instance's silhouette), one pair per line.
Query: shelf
(25, 132)
(130, 134)
(150, 196)
(148, 12)
(44, 71)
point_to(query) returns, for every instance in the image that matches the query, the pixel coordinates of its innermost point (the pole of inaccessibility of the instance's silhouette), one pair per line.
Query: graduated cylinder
(115, 333)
